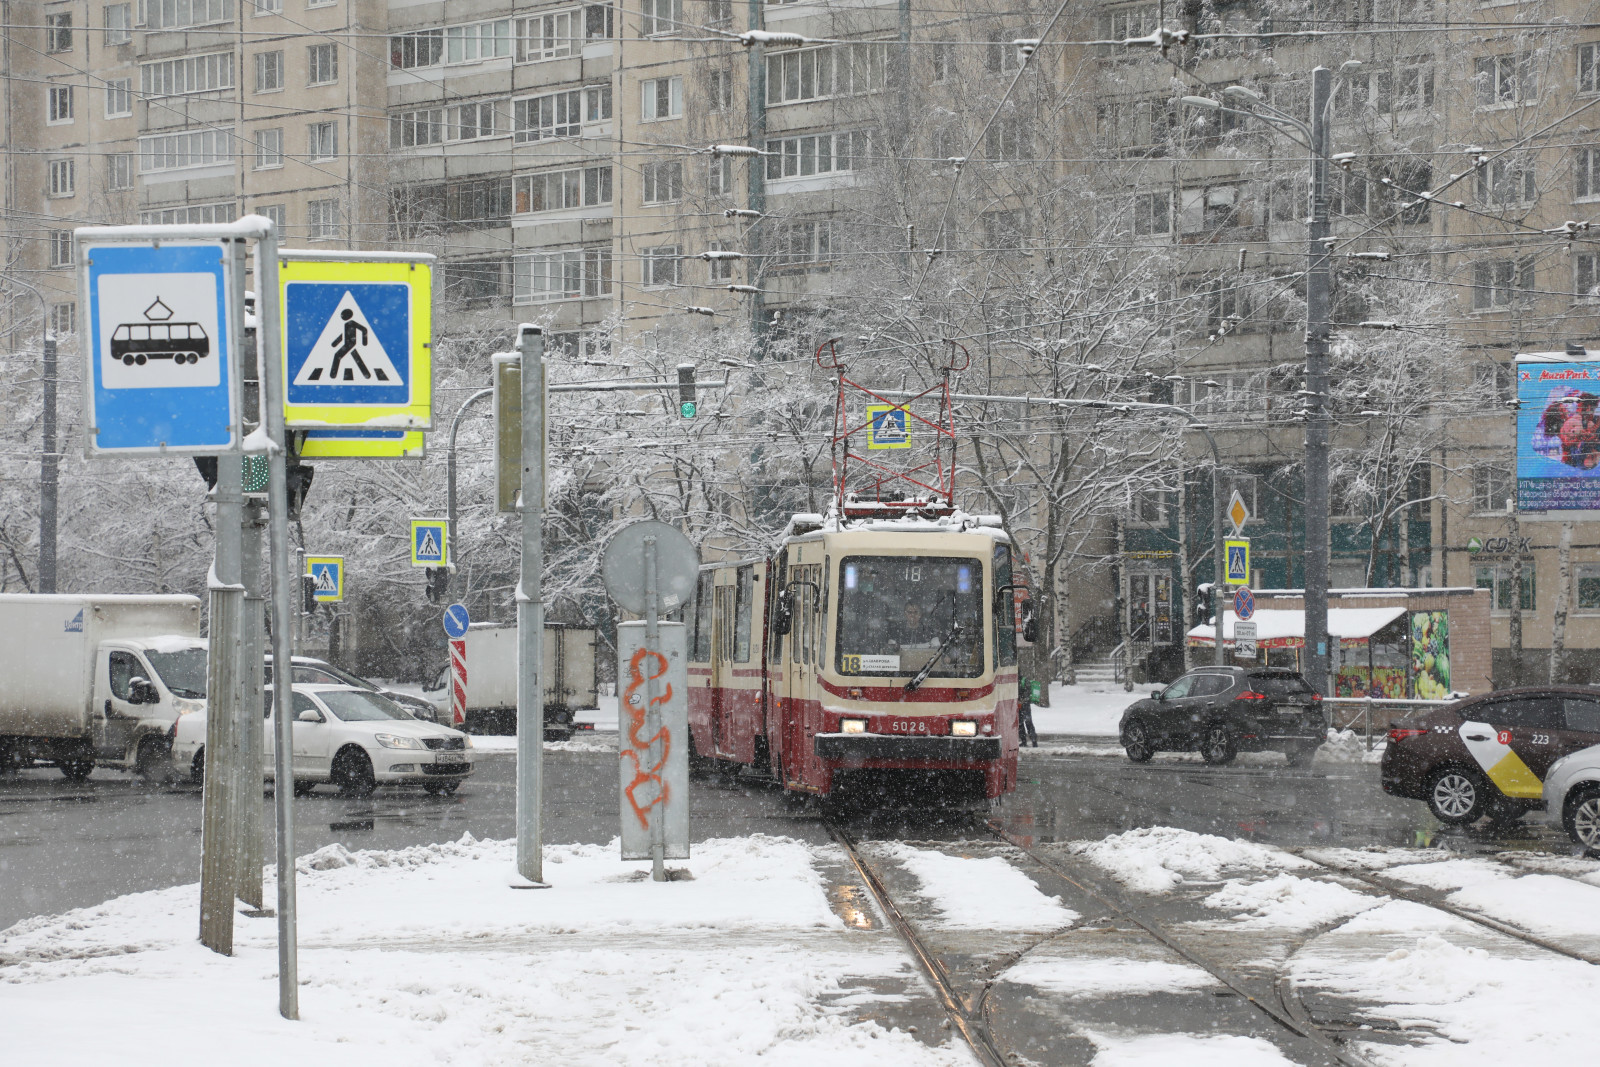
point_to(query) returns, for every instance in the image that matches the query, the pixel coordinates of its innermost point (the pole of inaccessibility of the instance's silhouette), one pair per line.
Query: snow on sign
(428, 542)
(357, 339)
(327, 578)
(159, 360)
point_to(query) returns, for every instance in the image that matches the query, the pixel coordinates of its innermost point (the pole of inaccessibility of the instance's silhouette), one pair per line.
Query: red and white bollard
(458, 682)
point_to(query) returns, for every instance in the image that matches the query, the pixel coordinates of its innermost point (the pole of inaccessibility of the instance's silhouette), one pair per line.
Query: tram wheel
(140, 359)
(127, 360)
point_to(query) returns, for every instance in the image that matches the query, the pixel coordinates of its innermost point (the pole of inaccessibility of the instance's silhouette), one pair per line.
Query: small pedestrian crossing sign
(428, 544)
(888, 426)
(1238, 556)
(327, 578)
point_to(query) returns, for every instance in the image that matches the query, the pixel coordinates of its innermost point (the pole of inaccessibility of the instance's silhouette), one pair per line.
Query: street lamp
(1318, 286)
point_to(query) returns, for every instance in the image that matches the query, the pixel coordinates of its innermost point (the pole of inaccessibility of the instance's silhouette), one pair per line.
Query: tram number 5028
(908, 726)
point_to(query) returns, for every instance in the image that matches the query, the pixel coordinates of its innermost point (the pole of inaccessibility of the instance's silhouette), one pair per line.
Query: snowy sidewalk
(425, 955)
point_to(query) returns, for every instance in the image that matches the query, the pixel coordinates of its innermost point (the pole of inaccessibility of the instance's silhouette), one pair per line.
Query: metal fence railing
(1373, 713)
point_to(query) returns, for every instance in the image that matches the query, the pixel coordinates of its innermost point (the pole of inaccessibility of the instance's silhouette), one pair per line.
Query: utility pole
(49, 467)
(530, 614)
(1318, 288)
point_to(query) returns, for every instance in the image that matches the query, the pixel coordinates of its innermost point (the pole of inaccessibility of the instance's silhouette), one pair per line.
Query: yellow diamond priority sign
(1237, 513)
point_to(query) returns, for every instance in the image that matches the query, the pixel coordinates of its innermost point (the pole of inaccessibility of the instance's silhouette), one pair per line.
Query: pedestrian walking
(1026, 734)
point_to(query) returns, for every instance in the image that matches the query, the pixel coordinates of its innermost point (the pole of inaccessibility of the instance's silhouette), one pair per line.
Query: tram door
(722, 664)
(800, 670)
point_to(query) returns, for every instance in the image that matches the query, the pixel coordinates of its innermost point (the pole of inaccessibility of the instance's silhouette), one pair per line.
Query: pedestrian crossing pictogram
(428, 546)
(429, 542)
(347, 351)
(325, 581)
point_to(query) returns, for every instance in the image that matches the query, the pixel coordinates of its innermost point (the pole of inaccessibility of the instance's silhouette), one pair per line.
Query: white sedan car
(349, 737)
(1572, 794)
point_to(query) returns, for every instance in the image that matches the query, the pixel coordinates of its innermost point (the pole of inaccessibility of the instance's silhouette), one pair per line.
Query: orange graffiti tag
(636, 712)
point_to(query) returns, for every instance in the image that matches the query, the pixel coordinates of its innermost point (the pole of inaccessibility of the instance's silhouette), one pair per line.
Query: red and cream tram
(877, 646)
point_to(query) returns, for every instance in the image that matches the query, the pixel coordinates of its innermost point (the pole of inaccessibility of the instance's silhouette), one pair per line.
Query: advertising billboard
(1558, 436)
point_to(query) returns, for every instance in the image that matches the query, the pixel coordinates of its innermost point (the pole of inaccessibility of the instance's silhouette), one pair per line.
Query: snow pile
(1086, 710)
(1554, 906)
(979, 893)
(1190, 1050)
(1156, 859)
(1500, 1006)
(1076, 976)
(425, 956)
(1348, 746)
(1451, 874)
(1287, 901)
(584, 741)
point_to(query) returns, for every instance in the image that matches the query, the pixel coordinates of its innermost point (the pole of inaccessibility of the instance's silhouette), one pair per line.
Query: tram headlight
(965, 728)
(852, 726)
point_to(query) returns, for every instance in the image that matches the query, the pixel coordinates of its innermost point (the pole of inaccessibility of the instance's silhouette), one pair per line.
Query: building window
(1586, 166)
(721, 268)
(1496, 578)
(59, 104)
(322, 220)
(119, 171)
(192, 74)
(1005, 139)
(540, 118)
(1586, 579)
(1589, 68)
(1497, 282)
(719, 89)
(181, 151)
(1150, 507)
(821, 153)
(558, 190)
(1506, 181)
(190, 215)
(1001, 56)
(61, 248)
(119, 98)
(719, 12)
(597, 103)
(475, 282)
(269, 72)
(1501, 81)
(1586, 275)
(942, 62)
(177, 14)
(569, 275)
(425, 48)
(663, 182)
(660, 16)
(322, 64)
(597, 22)
(321, 3)
(478, 41)
(1347, 194)
(551, 36)
(1211, 209)
(663, 266)
(1492, 486)
(804, 242)
(409, 129)
(660, 98)
(322, 141)
(119, 23)
(719, 176)
(63, 177)
(278, 213)
(270, 7)
(64, 319)
(58, 32)
(832, 70)
(1152, 213)
(269, 148)
(1409, 87)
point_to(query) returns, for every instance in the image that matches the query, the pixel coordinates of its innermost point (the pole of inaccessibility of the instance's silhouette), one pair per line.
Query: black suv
(1221, 711)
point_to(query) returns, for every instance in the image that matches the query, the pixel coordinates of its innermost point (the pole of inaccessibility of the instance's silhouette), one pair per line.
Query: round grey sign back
(677, 566)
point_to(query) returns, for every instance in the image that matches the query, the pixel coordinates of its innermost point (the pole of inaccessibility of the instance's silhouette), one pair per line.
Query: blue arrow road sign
(1244, 603)
(455, 621)
(161, 364)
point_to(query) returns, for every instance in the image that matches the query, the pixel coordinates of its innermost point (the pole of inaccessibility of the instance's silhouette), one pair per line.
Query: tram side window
(1005, 619)
(779, 576)
(741, 642)
(702, 619)
(724, 632)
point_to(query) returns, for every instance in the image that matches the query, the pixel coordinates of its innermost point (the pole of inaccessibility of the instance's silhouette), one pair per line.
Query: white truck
(94, 680)
(491, 707)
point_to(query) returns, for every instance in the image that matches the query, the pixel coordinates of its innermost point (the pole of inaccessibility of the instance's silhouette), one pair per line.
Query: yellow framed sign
(358, 443)
(327, 578)
(889, 426)
(357, 331)
(1238, 557)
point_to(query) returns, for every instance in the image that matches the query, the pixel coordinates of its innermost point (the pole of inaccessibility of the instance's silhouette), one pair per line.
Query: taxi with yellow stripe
(1488, 755)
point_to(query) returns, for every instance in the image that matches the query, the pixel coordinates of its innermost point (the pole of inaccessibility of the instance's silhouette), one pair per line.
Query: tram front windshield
(898, 612)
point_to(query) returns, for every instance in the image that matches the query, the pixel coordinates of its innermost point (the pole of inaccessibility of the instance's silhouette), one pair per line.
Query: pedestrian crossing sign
(428, 543)
(1238, 557)
(327, 578)
(357, 333)
(887, 426)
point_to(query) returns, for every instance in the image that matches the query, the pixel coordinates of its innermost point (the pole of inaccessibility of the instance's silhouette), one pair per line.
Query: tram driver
(917, 629)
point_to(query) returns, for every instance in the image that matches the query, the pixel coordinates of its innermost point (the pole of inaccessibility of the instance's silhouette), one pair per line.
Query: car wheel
(352, 773)
(1581, 816)
(1302, 754)
(1217, 746)
(153, 763)
(1137, 741)
(440, 789)
(76, 770)
(197, 767)
(1456, 795)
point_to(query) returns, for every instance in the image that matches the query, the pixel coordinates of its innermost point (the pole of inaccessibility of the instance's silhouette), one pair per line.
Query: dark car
(1222, 711)
(1488, 755)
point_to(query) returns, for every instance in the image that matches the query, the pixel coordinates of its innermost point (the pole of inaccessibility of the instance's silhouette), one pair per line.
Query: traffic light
(1205, 601)
(686, 403)
(298, 477)
(438, 583)
(308, 595)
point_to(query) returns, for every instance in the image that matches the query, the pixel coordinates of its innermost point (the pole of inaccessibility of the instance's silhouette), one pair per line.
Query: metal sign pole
(652, 713)
(272, 395)
(251, 743)
(530, 615)
(218, 844)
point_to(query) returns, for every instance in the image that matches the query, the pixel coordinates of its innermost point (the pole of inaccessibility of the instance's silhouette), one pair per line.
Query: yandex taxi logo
(1491, 750)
